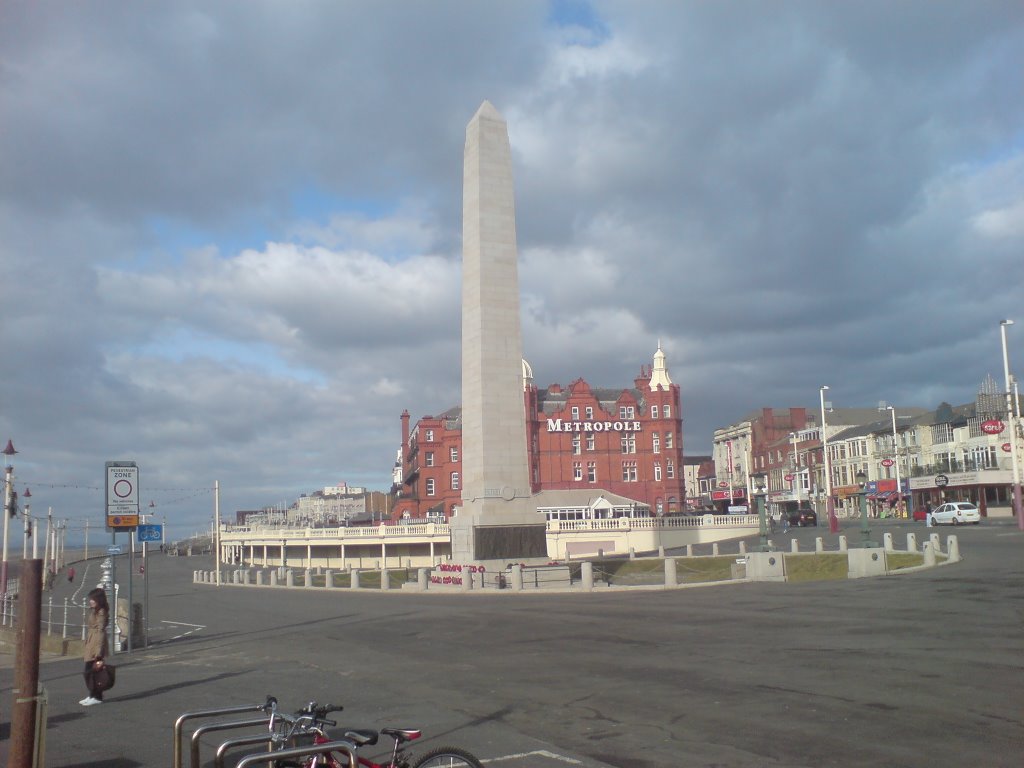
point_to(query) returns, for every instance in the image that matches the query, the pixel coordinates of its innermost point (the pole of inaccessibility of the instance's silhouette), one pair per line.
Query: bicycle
(309, 725)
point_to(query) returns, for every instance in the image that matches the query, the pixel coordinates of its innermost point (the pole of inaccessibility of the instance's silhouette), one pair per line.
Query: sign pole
(113, 592)
(145, 599)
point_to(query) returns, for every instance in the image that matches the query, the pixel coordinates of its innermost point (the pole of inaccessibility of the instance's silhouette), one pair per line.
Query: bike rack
(221, 726)
(284, 754)
(218, 761)
(179, 723)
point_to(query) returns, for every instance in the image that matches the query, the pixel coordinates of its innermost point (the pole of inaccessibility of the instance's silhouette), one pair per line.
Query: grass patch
(630, 572)
(693, 570)
(367, 579)
(818, 567)
(897, 560)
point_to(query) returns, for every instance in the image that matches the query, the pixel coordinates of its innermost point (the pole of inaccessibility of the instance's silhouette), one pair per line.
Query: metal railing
(55, 617)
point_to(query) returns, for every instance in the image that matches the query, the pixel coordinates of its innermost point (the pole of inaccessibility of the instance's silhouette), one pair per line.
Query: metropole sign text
(122, 495)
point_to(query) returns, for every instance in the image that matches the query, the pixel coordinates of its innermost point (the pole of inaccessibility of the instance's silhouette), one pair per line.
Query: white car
(955, 513)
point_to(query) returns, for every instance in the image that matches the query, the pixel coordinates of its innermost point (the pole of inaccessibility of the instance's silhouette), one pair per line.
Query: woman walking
(97, 619)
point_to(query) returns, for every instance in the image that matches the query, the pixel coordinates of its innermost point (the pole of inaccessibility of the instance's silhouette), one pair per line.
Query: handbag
(105, 677)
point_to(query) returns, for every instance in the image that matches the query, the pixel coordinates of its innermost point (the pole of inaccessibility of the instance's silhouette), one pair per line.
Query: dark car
(803, 516)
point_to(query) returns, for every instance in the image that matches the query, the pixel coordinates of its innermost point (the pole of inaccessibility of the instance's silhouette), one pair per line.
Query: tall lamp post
(830, 510)
(758, 479)
(862, 497)
(1013, 429)
(8, 451)
(28, 523)
(896, 458)
(797, 483)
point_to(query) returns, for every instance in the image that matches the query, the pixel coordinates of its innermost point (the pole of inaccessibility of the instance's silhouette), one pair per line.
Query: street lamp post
(862, 497)
(8, 451)
(833, 521)
(896, 458)
(797, 484)
(758, 479)
(1013, 430)
(28, 523)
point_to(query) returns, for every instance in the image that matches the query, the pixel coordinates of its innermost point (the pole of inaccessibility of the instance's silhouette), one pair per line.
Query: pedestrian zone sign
(122, 495)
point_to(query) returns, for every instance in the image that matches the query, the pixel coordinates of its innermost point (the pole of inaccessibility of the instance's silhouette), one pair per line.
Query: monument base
(513, 533)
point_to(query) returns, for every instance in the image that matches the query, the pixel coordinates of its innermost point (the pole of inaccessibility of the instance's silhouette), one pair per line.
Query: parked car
(803, 516)
(955, 513)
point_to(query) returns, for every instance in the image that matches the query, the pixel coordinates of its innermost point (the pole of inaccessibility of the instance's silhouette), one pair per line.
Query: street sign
(122, 486)
(887, 462)
(149, 533)
(114, 549)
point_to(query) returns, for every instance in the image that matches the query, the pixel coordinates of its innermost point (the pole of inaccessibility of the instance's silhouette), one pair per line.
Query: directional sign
(149, 532)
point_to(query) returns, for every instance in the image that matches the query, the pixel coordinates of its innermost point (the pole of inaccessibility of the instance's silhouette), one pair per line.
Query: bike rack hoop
(284, 754)
(224, 725)
(218, 761)
(180, 722)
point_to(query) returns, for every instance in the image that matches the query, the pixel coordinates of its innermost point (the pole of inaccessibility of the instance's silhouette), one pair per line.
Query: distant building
(624, 441)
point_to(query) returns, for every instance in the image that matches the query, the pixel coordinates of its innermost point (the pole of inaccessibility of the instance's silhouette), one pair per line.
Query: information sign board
(149, 533)
(122, 486)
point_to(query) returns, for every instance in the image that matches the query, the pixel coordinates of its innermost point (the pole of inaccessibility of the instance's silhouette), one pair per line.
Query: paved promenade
(920, 669)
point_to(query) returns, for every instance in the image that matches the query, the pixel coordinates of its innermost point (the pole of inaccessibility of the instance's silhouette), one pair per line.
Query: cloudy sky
(230, 233)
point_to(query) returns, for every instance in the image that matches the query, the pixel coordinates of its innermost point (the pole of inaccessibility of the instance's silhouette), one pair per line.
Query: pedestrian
(95, 651)
(71, 574)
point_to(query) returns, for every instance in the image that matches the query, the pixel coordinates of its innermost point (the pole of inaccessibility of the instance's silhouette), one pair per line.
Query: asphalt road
(921, 669)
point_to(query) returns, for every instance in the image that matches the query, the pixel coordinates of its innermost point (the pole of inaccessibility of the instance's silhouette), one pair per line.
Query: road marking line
(540, 752)
(195, 628)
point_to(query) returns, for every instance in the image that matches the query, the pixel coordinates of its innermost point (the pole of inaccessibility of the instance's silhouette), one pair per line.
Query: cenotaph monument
(498, 519)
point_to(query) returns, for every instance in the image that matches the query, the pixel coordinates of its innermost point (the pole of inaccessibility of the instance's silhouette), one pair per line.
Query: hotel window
(577, 471)
(656, 443)
(576, 445)
(629, 471)
(655, 411)
(430, 486)
(591, 442)
(575, 413)
(657, 471)
(429, 436)
(592, 471)
(455, 481)
(668, 440)
(666, 411)
(453, 454)
(590, 412)
(629, 443)
(670, 469)
(626, 412)
(428, 458)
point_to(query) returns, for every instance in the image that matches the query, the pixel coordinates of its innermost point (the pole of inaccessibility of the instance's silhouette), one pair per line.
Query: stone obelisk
(497, 518)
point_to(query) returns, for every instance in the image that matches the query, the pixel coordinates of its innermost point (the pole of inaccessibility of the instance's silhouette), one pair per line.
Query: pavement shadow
(178, 686)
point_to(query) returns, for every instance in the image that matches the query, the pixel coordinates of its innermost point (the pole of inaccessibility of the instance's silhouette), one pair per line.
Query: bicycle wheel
(446, 757)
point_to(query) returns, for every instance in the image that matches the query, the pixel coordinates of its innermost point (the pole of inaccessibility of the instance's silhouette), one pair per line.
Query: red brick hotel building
(624, 441)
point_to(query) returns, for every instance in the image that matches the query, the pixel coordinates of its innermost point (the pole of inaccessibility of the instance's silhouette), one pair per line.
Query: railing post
(670, 572)
(49, 615)
(64, 631)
